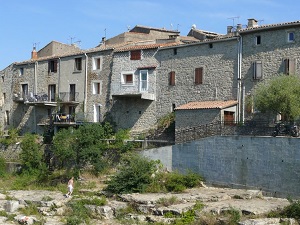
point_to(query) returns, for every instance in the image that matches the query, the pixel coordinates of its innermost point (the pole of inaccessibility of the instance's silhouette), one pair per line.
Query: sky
(28, 23)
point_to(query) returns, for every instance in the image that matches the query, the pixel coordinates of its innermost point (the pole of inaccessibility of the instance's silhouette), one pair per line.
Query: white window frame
(21, 71)
(289, 36)
(257, 70)
(95, 63)
(94, 90)
(123, 80)
(256, 40)
(142, 84)
(97, 113)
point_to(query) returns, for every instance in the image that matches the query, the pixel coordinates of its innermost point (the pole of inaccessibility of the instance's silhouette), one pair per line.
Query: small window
(6, 120)
(24, 90)
(78, 64)
(4, 96)
(291, 36)
(97, 63)
(175, 51)
(96, 88)
(257, 71)
(52, 66)
(258, 40)
(172, 78)
(210, 45)
(289, 66)
(127, 78)
(135, 55)
(199, 75)
(21, 71)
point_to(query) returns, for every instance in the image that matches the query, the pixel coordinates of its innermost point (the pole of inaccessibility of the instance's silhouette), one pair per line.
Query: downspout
(35, 92)
(85, 85)
(239, 81)
(58, 85)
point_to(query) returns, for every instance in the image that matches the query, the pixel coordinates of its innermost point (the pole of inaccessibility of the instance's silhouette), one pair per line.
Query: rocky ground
(52, 205)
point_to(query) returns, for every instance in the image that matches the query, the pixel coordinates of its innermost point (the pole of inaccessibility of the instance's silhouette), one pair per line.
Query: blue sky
(24, 23)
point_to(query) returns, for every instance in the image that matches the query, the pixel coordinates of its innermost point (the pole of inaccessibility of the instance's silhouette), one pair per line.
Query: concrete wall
(266, 163)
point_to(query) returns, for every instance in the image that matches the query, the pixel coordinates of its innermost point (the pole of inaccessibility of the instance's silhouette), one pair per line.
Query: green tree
(82, 146)
(279, 95)
(134, 174)
(31, 155)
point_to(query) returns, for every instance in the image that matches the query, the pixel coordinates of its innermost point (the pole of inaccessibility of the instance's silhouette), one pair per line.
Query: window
(258, 40)
(135, 55)
(172, 78)
(289, 66)
(291, 36)
(175, 51)
(199, 75)
(51, 92)
(6, 120)
(52, 66)
(97, 88)
(210, 45)
(21, 71)
(143, 80)
(257, 70)
(72, 92)
(4, 96)
(78, 64)
(127, 78)
(97, 63)
(24, 90)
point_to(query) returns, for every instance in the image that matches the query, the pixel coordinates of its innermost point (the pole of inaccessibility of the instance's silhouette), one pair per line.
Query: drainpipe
(58, 86)
(239, 81)
(35, 92)
(85, 85)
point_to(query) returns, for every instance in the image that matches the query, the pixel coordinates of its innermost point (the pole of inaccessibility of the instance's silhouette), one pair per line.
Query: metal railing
(136, 87)
(69, 96)
(253, 128)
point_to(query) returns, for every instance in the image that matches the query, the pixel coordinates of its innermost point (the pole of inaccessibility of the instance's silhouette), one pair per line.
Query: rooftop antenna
(260, 21)
(177, 26)
(35, 45)
(105, 33)
(171, 25)
(233, 19)
(71, 39)
(128, 28)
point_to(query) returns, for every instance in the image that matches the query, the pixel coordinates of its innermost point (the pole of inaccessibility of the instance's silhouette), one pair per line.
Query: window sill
(127, 84)
(77, 71)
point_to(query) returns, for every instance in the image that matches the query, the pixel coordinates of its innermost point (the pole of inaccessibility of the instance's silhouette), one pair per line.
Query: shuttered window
(289, 66)
(172, 78)
(78, 64)
(52, 66)
(135, 55)
(257, 71)
(199, 75)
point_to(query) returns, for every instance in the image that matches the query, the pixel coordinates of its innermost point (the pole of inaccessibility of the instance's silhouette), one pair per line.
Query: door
(51, 92)
(97, 113)
(72, 93)
(228, 118)
(143, 80)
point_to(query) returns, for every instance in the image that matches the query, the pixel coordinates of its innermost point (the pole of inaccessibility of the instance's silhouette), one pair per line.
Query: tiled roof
(207, 105)
(136, 46)
(153, 28)
(268, 26)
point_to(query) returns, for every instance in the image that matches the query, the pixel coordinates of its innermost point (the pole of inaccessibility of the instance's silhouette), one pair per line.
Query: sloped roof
(136, 46)
(207, 105)
(270, 26)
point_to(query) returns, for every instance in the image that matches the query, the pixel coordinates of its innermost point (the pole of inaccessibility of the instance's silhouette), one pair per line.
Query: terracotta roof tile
(268, 26)
(207, 105)
(147, 46)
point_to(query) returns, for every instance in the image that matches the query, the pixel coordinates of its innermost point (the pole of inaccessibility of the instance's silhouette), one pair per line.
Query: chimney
(229, 29)
(34, 54)
(239, 27)
(252, 23)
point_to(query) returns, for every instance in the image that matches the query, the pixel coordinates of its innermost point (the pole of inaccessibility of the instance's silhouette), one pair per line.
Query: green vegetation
(290, 211)
(12, 137)
(279, 95)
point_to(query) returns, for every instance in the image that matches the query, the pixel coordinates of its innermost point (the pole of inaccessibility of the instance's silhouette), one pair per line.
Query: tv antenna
(233, 19)
(71, 39)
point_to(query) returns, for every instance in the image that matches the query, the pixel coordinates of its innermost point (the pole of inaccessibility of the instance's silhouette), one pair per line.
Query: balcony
(34, 99)
(69, 97)
(142, 89)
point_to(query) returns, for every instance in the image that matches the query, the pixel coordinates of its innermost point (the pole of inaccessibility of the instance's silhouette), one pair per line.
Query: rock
(26, 220)
(11, 206)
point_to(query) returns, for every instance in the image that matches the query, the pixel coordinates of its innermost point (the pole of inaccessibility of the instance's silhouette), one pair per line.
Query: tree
(280, 95)
(31, 155)
(82, 146)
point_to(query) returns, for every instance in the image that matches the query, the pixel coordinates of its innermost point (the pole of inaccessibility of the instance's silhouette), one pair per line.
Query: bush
(176, 182)
(134, 174)
(2, 167)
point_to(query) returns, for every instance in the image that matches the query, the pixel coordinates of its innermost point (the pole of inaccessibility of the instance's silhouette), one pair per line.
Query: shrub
(2, 167)
(168, 201)
(134, 174)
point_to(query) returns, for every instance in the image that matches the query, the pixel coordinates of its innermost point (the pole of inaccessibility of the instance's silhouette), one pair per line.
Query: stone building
(268, 50)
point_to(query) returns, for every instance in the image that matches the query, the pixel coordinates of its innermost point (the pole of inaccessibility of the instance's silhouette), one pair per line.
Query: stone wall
(266, 163)
(219, 62)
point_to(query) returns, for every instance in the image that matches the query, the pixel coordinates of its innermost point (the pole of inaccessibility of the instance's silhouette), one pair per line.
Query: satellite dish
(194, 26)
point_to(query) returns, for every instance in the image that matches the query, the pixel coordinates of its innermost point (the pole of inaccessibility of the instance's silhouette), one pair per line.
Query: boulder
(11, 206)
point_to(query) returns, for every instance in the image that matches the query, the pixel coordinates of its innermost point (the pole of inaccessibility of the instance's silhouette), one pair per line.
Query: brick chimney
(34, 54)
(252, 23)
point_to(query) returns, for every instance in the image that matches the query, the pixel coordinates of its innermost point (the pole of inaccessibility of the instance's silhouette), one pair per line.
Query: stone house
(267, 50)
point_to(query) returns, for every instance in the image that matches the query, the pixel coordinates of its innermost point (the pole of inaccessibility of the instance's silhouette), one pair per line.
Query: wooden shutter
(55, 66)
(292, 66)
(286, 66)
(198, 75)
(172, 78)
(257, 72)
(135, 55)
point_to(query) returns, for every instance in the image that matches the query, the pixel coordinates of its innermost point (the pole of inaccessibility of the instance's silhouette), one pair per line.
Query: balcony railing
(41, 97)
(142, 88)
(68, 96)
